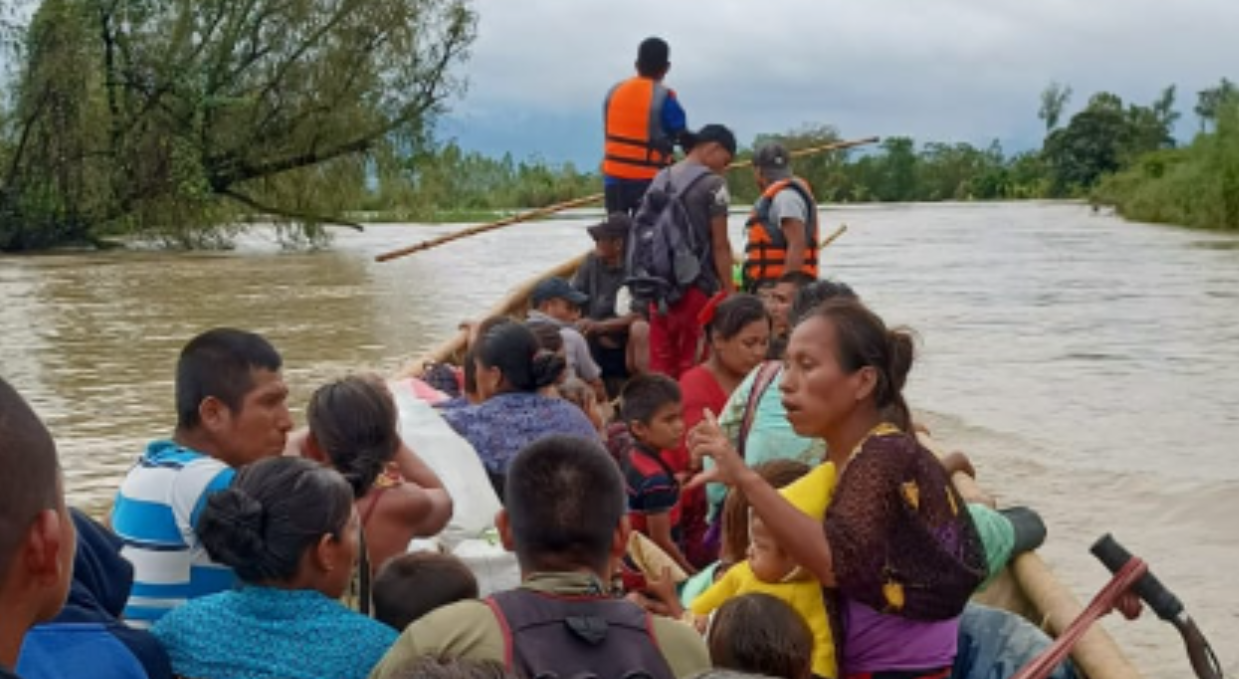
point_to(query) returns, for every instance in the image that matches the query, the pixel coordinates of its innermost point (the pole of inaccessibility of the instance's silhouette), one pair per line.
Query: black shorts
(624, 195)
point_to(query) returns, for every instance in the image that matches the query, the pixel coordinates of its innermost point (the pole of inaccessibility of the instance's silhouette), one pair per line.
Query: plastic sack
(453, 459)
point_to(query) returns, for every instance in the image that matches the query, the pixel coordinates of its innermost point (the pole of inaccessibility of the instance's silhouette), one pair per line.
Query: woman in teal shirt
(288, 528)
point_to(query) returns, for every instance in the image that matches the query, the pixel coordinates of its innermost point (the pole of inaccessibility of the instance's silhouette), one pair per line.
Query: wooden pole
(834, 236)
(581, 202)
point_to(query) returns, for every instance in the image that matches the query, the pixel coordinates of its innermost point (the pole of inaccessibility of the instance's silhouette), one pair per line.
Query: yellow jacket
(811, 495)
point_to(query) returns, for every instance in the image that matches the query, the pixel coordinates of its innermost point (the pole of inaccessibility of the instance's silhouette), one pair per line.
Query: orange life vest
(636, 145)
(766, 249)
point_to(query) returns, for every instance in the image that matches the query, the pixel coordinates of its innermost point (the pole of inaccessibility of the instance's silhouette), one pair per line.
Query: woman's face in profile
(817, 392)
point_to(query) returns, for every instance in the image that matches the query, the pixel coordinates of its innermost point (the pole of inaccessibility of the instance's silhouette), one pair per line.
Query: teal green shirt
(771, 436)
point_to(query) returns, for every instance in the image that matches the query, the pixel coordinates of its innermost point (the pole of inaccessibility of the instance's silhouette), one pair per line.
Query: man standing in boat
(698, 185)
(642, 121)
(782, 231)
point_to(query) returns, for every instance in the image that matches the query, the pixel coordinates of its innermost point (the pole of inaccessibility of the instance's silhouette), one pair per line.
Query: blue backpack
(664, 251)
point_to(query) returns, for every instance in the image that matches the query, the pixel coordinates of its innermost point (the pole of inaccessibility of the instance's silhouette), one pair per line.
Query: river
(1089, 366)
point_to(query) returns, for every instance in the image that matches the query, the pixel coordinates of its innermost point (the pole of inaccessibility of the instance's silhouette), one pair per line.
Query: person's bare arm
(793, 232)
(659, 526)
(802, 537)
(720, 245)
(430, 507)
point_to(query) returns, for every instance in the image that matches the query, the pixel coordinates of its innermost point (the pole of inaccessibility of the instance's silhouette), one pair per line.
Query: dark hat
(616, 225)
(557, 288)
(711, 133)
(653, 54)
(772, 156)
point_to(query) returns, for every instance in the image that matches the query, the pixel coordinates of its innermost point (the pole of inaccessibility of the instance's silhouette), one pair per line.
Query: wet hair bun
(546, 367)
(231, 528)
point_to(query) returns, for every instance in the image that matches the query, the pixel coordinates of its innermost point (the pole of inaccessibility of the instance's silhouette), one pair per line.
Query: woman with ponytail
(399, 497)
(897, 552)
(511, 367)
(288, 529)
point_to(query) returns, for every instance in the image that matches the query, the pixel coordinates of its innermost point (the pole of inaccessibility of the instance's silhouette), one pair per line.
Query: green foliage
(1104, 138)
(171, 119)
(1053, 98)
(1195, 186)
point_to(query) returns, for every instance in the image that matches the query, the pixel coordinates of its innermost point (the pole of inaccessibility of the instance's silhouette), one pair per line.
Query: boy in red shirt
(653, 410)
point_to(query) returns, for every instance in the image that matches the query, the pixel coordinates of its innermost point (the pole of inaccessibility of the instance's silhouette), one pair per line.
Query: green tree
(201, 111)
(1053, 99)
(1211, 100)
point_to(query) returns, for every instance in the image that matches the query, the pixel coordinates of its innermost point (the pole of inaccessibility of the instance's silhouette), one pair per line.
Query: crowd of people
(703, 476)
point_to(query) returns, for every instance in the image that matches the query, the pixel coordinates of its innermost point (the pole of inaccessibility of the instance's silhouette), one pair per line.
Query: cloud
(943, 70)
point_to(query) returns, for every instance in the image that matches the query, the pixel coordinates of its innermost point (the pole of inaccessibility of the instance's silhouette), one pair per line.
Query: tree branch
(290, 214)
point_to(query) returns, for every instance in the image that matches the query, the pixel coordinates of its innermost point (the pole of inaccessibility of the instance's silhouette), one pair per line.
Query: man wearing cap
(642, 121)
(605, 325)
(555, 301)
(698, 182)
(781, 233)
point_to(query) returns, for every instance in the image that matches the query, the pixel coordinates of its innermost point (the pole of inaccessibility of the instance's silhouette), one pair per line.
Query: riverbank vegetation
(172, 121)
(183, 122)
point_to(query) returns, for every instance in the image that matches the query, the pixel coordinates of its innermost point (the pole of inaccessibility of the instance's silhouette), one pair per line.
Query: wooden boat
(1028, 587)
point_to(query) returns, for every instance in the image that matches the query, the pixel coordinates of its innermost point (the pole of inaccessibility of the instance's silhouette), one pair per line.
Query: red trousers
(676, 335)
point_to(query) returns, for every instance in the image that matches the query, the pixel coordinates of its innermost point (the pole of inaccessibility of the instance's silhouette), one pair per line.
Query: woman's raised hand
(708, 440)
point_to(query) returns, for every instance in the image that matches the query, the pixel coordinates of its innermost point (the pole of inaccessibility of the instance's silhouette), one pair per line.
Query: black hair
(797, 278)
(31, 471)
(814, 294)
(644, 395)
(514, 350)
(735, 313)
(275, 510)
(864, 340)
(409, 586)
(219, 363)
(761, 634)
(565, 497)
(443, 667)
(548, 335)
(653, 57)
(353, 421)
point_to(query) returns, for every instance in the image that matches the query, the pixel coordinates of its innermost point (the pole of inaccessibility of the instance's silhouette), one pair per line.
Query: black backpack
(558, 637)
(664, 251)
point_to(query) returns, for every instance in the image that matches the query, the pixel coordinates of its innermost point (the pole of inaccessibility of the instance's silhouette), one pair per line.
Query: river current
(1089, 366)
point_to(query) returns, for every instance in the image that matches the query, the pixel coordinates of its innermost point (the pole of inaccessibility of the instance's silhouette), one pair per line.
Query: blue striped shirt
(156, 515)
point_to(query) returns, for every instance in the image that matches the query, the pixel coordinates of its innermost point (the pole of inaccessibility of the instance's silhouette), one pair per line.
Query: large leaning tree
(176, 119)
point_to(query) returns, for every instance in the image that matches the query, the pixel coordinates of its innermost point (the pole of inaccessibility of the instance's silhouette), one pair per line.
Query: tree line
(179, 121)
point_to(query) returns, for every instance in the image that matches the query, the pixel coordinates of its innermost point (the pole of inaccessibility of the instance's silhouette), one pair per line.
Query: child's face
(563, 310)
(768, 561)
(664, 430)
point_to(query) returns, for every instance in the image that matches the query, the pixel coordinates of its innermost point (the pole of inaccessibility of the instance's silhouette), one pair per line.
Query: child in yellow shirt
(768, 570)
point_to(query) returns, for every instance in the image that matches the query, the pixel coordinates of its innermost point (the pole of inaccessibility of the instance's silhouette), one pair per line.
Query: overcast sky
(951, 70)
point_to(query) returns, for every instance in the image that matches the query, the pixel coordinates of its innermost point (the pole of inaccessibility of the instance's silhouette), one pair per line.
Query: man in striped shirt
(232, 410)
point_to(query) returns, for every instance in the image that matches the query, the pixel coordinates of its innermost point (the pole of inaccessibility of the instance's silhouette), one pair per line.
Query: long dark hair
(276, 509)
(864, 340)
(514, 350)
(353, 421)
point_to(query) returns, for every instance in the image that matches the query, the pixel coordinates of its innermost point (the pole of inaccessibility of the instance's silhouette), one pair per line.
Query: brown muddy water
(1089, 366)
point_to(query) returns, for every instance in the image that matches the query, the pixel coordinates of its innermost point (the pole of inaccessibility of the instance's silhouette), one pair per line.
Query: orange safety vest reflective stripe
(636, 145)
(766, 246)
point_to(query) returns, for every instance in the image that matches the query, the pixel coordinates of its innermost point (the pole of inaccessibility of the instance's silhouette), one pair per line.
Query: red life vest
(766, 246)
(636, 145)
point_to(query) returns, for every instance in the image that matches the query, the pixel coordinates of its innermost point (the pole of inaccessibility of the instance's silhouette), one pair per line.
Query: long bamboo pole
(580, 202)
